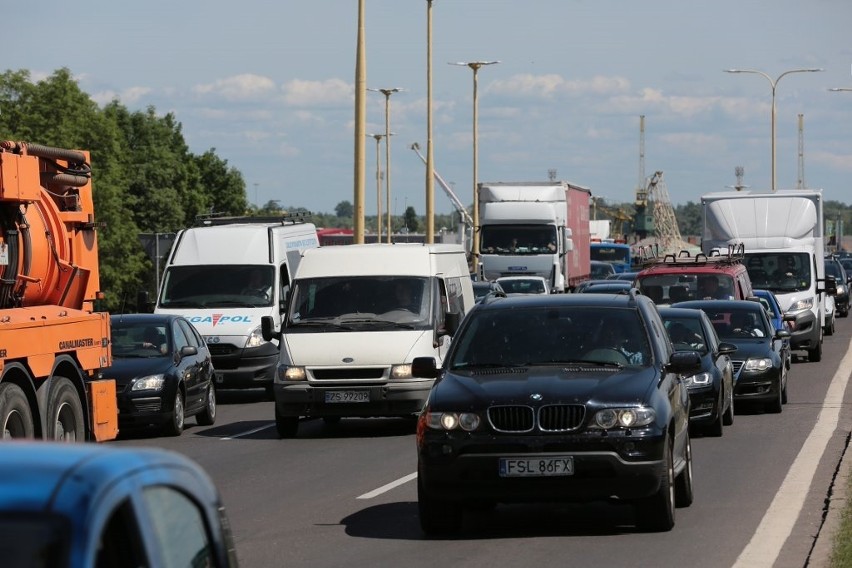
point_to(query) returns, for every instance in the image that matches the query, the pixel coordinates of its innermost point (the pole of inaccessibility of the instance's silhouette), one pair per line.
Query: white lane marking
(389, 486)
(777, 523)
(248, 433)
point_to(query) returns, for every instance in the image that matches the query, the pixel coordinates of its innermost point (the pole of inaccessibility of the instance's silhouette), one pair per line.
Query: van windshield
(679, 287)
(364, 303)
(218, 286)
(779, 271)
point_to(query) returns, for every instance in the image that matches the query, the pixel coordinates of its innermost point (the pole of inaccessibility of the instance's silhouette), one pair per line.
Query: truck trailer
(53, 342)
(534, 229)
(782, 235)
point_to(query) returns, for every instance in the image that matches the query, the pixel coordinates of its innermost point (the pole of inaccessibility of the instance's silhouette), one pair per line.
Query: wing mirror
(424, 367)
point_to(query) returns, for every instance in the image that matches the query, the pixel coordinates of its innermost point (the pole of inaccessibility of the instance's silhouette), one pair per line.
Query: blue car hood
(125, 370)
(476, 389)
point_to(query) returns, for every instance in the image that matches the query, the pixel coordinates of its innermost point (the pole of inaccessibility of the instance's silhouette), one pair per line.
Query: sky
(269, 85)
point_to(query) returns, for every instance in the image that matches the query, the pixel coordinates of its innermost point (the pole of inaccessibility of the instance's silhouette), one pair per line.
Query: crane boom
(448, 190)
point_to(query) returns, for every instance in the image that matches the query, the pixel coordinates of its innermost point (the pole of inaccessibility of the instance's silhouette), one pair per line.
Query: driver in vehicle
(404, 295)
(256, 285)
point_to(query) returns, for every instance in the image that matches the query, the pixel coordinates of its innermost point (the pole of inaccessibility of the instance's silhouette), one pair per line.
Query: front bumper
(758, 385)
(393, 398)
(244, 368)
(804, 331)
(605, 466)
(704, 405)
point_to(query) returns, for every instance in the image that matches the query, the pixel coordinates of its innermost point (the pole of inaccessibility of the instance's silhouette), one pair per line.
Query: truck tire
(16, 418)
(65, 419)
(207, 416)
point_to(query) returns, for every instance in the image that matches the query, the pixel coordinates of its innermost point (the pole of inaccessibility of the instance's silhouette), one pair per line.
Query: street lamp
(773, 84)
(430, 161)
(475, 65)
(360, 129)
(387, 93)
(378, 138)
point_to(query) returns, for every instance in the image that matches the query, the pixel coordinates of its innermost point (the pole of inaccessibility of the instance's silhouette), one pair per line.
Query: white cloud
(553, 85)
(128, 96)
(839, 162)
(318, 93)
(694, 143)
(239, 87)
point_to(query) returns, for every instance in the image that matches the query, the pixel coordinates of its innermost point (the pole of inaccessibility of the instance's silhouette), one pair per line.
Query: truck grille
(348, 374)
(550, 418)
(220, 349)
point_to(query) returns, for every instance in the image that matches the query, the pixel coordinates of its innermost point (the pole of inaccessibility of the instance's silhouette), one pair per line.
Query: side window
(120, 544)
(179, 525)
(284, 281)
(180, 337)
(455, 297)
(192, 337)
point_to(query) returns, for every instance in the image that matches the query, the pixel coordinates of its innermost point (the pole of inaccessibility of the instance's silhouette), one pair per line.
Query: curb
(820, 556)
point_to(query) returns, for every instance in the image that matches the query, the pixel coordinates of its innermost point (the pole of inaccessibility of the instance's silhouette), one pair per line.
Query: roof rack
(734, 255)
(216, 219)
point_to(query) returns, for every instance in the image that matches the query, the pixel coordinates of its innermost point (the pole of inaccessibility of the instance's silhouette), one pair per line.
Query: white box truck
(223, 275)
(535, 229)
(782, 232)
(357, 317)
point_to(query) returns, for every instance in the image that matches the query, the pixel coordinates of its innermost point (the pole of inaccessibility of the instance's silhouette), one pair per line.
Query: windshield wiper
(183, 304)
(318, 323)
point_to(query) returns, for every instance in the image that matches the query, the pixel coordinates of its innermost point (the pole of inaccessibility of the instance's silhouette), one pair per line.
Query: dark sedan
(711, 390)
(760, 372)
(833, 267)
(776, 316)
(484, 288)
(163, 372)
(567, 397)
(89, 505)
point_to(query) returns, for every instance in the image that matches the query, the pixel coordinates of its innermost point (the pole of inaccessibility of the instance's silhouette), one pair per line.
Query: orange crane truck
(53, 342)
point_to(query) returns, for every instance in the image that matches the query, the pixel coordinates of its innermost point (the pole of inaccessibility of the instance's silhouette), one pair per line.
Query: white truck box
(351, 330)
(208, 279)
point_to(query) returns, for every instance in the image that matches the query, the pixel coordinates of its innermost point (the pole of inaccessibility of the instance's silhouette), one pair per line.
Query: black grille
(511, 418)
(560, 417)
(343, 374)
(737, 365)
(221, 349)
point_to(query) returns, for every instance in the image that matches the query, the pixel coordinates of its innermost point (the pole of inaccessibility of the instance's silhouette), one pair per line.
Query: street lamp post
(378, 138)
(360, 128)
(475, 65)
(430, 157)
(387, 93)
(773, 84)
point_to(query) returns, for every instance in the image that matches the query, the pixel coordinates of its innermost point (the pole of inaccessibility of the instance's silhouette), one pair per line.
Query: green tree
(344, 209)
(690, 218)
(412, 223)
(224, 187)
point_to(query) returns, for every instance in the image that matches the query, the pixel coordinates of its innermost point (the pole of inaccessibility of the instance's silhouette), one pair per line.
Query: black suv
(571, 397)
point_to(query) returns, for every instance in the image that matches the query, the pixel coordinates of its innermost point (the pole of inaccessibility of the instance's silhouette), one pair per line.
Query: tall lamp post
(475, 65)
(378, 138)
(773, 84)
(387, 93)
(360, 128)
(430, 156)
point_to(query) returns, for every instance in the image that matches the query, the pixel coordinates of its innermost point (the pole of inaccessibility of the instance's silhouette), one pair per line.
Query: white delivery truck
(356, 318)
(223, 275)
(535, 229)
(782, 232)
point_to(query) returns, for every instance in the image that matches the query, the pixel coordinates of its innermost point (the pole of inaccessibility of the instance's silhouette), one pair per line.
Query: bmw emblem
(536, 397)
(348, 360)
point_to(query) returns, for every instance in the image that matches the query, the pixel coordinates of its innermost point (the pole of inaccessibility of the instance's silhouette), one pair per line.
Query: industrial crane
(466, 219)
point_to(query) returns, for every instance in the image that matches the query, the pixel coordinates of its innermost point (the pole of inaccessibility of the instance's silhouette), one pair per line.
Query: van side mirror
(424, 367)
(451, 324)
(830, 286)
(267, 329)
(143, 302)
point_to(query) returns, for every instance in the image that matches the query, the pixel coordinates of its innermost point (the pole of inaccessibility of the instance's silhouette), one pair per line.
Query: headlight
(803, 304)
(467, 421)
(699, 380)
(288, 373)
(758, 364)
(624, 417)
(255, 338)
(400, 372)
(151, 382)
(841, 290)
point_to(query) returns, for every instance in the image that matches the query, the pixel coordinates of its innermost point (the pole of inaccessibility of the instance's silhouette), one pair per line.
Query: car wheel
(65, 420)
(829, 328)
(174, 427)
(715, 429)
(776, 405)
(16, 419)
(207, 416)
(815, 354)
(439, 518)
(728, 417)
(287, 426)
(784, 382)
(683, 483)
(657, 512)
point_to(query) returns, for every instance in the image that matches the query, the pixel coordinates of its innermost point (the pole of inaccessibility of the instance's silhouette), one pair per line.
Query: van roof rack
(216, 219)
(650, 256)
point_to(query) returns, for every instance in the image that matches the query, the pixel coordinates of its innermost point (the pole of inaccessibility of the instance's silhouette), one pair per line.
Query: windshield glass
(518, 239)
(686, 334)
(218, 286)
(138, 340)
(610, 253)
(551, 335)
(738, 324)
(779, 271)
(679, 287)
(364, 303)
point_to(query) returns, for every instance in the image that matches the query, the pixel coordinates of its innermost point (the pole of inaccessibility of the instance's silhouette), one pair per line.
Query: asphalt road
(345, 494)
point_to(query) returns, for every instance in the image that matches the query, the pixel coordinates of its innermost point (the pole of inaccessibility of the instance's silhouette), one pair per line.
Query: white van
(223, 276)
(356, 318)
